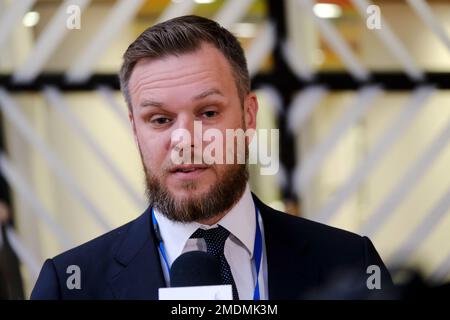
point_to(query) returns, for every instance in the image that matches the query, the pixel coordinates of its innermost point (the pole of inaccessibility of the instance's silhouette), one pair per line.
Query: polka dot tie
(215, 242)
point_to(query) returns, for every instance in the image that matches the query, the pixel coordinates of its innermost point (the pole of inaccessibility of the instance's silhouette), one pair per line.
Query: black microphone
(195, 268)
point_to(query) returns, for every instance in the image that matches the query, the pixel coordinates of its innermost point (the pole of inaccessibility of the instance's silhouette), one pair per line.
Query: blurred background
(359, 90)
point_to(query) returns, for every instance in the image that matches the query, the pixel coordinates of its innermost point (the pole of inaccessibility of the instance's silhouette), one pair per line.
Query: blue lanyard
(257, 250)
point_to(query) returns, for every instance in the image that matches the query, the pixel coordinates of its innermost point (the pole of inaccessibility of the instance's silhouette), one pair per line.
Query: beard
(220, 197)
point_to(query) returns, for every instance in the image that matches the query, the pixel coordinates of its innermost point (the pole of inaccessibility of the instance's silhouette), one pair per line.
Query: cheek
(152, 149)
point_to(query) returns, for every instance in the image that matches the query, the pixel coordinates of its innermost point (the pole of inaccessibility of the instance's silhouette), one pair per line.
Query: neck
(219, 216)
(213, 220)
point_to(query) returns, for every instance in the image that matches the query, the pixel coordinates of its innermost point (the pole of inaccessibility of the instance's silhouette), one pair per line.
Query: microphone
(195, 268)
(195, 275)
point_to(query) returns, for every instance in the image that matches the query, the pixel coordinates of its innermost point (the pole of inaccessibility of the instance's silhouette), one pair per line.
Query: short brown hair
(183, 35)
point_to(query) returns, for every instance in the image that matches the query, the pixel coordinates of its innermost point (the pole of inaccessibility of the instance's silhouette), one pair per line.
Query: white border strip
(394, 131)
(58, 102)
(121, 14)
(23, 253)
(405, 185)
(360, 104)
(13, 14)
(176, 9)
(335, 41)
(260, 47)
(27, 195)
(392, 42)
(11, 111)
(108, 96)
(442, 271)
(50, 38)
(422, 231)
(232, 11)
(274, 99)
(297, 62)
(424, 11)
(303, 105)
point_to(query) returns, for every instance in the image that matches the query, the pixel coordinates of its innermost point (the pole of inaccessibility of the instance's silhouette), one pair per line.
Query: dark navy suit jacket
(302, 258)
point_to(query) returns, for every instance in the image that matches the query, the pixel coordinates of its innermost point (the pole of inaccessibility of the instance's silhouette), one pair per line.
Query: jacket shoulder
(90, 263)
(332, 251)
(327, 244)
(101, 246)
(299, 227)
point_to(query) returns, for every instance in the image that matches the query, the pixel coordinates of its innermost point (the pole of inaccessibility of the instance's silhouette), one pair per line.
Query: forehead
(192, 71)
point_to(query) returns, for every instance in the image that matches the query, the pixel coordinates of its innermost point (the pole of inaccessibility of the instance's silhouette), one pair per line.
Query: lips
(188, 172)
(188, 168)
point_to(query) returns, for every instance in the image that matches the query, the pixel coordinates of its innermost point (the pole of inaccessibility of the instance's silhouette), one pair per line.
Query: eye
(159, 121)
(210, 114)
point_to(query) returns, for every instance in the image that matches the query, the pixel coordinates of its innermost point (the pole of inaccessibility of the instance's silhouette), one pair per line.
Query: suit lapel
(290, 268)
(139, 273)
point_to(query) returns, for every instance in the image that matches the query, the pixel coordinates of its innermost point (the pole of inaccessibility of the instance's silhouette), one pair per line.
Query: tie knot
(215, 238)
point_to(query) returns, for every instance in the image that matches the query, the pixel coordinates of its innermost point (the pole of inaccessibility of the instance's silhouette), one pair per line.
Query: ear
(250, 110)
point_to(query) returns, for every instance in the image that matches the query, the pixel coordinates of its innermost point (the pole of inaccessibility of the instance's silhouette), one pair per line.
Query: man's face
(169, 94)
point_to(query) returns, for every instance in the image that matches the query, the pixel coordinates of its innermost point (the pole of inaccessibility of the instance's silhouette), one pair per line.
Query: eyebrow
(207, 93)
(152, 103)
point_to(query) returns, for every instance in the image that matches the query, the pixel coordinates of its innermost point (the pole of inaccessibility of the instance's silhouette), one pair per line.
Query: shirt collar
(240, 221)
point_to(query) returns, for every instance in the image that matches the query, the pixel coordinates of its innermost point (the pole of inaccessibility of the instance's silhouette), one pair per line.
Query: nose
(183, 134)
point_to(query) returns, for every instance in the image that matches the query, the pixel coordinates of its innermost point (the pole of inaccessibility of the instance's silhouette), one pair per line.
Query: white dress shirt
(241, 223)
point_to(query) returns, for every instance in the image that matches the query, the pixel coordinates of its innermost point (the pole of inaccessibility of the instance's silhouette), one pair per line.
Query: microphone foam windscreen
(195, 268)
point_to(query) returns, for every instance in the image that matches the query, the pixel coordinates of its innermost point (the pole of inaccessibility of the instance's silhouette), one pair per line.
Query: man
(175, 73)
